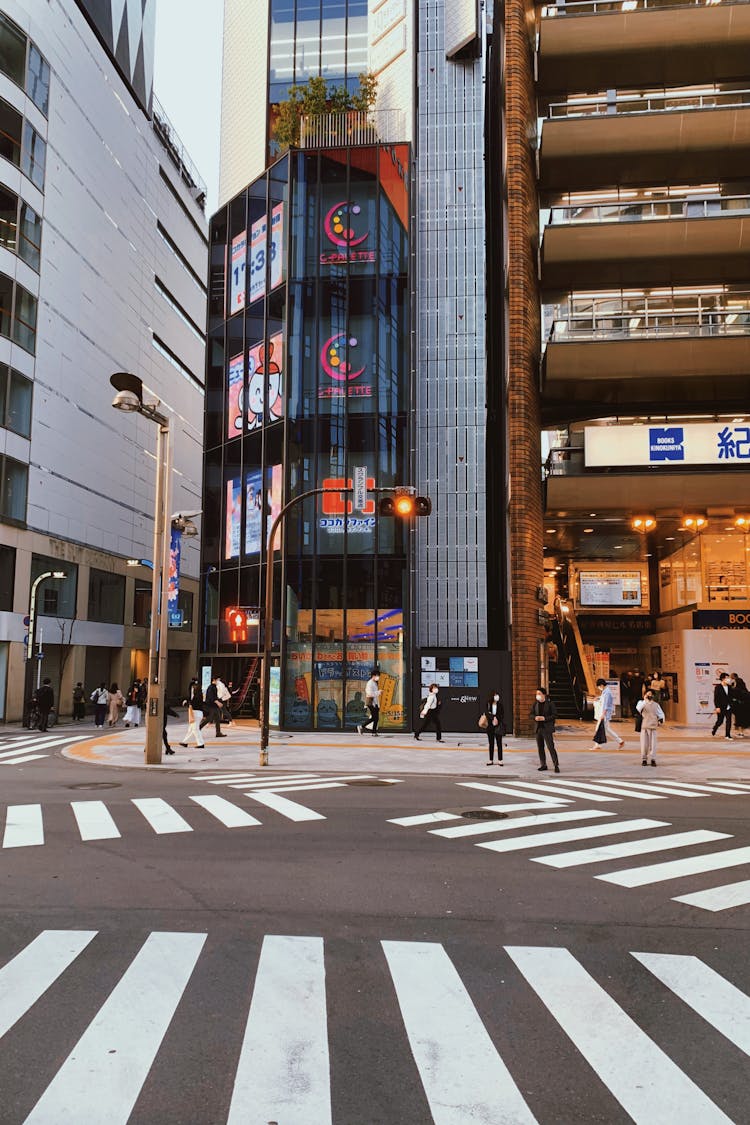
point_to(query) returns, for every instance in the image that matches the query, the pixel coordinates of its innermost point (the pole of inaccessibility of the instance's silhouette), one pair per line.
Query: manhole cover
(367, 781)
(96, 785)
(479, 814)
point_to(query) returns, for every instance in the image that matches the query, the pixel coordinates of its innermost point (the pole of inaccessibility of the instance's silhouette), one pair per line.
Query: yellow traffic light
(404, 505)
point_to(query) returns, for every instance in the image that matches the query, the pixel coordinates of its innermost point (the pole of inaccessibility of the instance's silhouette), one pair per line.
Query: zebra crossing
(292, 1049)
(529, 825)
(19, 749)
(95, 820)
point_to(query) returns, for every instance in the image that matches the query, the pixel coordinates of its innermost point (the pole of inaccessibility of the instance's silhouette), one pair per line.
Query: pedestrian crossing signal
(405, 505)
(239, 621)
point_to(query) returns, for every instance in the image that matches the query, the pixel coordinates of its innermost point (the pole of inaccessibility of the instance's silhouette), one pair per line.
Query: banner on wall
(175, 548)
(265, 368)
(277, 246)
(258, 259)
(234, 396)
(237, 276)
(233, 518)
(254, 506)
(698, 443)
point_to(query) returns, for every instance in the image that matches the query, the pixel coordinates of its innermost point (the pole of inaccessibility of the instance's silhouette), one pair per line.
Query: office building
(103, 254)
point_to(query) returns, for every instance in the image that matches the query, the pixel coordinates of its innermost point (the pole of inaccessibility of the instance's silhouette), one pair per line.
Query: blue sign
(721, 619)
(174, 571)
(666, 443)
(175, 618)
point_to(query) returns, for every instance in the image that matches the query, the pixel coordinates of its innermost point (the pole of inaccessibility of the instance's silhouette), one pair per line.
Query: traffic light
(239, 619)
(404, 504)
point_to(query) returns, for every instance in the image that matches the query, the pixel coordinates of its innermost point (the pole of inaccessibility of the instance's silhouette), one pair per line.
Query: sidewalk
(686, 754)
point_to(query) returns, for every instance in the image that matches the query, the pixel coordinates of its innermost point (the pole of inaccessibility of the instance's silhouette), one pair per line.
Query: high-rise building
(626, 128)
(103, 247)
(347, 332)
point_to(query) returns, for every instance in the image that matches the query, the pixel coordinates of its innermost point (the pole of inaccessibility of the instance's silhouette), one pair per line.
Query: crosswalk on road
(290, 1054)
(524, 821)
(18, 749)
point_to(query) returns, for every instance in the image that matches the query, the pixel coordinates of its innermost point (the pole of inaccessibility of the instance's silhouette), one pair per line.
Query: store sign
(698, 443)
(339, 364)
(591, 624)
(337, 508)
(345, 228)
(721, 619)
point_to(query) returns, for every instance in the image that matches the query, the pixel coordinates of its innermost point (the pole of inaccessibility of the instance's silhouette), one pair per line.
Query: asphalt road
(353, 970)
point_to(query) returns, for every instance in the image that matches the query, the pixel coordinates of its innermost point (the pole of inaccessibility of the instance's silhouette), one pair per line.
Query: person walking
(607, 704)
(723, 706)
(100, 699)
(494, 712)
(79, 702)
(740, 705)
(142, 696)
(212, 710)
(194, 703)
(45, 701)
(544, 714)
(169, 712)
(223, 696)
(116, 701)
(652, 716)
(626, 695)
(430, 714)
(372, 703)
(133, 712)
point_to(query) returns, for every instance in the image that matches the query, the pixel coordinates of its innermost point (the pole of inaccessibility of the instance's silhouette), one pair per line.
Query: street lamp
(31, 636)
(129, 398)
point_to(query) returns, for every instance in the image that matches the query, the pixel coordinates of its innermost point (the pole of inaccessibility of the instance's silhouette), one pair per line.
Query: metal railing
(636, 326)
(662, 102)
(564, 461)
(179, 155)
(352, 128)
(599, 7)
(635, 211)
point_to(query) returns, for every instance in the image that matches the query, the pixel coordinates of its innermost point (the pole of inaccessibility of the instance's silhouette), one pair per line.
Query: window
(37, 79)
(24, 319)
(106, 597)
(142, 603)
(12, 50)
(15, 401)
(8, 219)
(11, 124)
(7, 578)
(29, 236)
(185, 605)
(14, 481)
(33, 155)
(56, 597)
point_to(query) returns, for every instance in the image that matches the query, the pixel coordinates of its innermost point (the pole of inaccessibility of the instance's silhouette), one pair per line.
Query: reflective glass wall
(308, 379)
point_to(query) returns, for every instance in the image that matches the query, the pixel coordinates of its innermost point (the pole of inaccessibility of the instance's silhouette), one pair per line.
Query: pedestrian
(657, 686)
(429, 713)
(652, 716)
(544, 714)
(740, 705)
(223, 696)
(45, 701)
(100, 698)
(494, 714)
(626, 695)
(194, 704)
(116, 701)
(211, 709)
(133, 712)
(142, 695)
(79, 702)
(723, 706)
(169, 712)
(607, 704)
(372, 703)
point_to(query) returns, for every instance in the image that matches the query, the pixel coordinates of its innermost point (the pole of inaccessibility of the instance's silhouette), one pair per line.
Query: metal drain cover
(478, 814)
(96, 785)
(367, 781)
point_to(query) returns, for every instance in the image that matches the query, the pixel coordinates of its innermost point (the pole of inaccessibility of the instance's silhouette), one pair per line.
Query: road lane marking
(25, 758)
(103, 1075)
(556, 787)
(32, 971)
(624, 789)
(678, 868)
(658, 786)
(424, 818)
(465, 1080)
(94, 820)
(290, 809)
(516, 822)
(161, 816)
(506, 791)
(688, 787)
(719, 898)
(283, 1072)
(231, 816)
(542, 839)
(631, 847)
(706, 992)
(23, 826)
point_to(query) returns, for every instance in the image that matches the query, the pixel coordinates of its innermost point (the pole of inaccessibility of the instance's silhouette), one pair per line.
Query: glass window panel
(142, 603)
(307, 52)
(333, 47)
(8, 219)
(6, 305)
(18, 409)
(106, 597)
(185, 605)
(34, 156)
(7, 578)
(30, 236)
(11, 124)
(58, 594)
(24, 319)
(37, 79)
(12, 50)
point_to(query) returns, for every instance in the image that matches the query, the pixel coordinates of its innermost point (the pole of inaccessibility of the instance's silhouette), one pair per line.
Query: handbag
(600, 736)
(638, 721)
(483, 722)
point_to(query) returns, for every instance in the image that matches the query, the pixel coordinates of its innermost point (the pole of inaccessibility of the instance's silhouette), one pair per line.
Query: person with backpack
(45, 701)
(544, 714)
(133, 712)
(79, 702)
(100, 699)
(430, 714)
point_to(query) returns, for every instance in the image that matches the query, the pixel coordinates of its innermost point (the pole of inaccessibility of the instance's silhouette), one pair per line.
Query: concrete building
(102, 265)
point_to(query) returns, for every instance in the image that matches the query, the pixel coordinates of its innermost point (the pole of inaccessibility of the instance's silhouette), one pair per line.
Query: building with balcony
(103, 249)
(639, 119)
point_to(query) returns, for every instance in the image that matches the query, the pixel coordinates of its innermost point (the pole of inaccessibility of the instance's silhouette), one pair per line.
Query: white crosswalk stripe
(23, 826)
(678, 868)
(719, 898)
(553, 787)
(94, 820)
(283, 805)
(22, 748)
(543, 839)
(161, 816)
(631, 847)
(281, 1068)
(485, 826)
(230, 815)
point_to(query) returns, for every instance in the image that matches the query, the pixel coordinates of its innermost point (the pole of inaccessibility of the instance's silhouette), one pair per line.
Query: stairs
(560, 684)
(245, 703)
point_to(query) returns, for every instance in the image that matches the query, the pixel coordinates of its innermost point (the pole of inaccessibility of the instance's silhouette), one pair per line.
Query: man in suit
(45, 701)
(723, 705)
(212, 709)
(544, 714)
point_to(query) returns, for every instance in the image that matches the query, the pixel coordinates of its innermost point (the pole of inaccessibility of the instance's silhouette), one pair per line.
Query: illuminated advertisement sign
(342, 363)
(696, 443)
(175, 547)
(254, 506)
(337, 509)
(234, 396)
(610, 588)
(233, 518)
(277, 245)
(265, 367)
(345, 227)
(237, 277)
(258, 251)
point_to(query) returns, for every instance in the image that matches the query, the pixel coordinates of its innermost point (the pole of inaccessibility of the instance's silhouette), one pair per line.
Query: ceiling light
(669, 539)
(588, 530)
(618, 547)
(643, 523)
(551, 531)
(742, 522)
(693, 523)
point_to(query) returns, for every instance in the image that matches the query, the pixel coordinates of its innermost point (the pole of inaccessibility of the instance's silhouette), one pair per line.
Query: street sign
(26, 639)
(360, 488)
(175, 618)
(40, 656)
(27, 621)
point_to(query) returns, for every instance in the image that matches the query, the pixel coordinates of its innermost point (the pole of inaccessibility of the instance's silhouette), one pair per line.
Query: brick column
(524, 446)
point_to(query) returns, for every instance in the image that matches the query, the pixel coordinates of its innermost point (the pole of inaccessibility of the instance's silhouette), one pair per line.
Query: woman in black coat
(494, 712)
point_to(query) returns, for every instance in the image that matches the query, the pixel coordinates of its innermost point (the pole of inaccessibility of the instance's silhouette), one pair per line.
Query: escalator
(571, 681)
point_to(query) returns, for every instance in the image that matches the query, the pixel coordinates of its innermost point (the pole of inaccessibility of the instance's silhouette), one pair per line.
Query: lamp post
(31, 637)
(129, 398)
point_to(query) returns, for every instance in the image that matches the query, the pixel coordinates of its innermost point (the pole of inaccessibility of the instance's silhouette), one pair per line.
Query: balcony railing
(601, 7)
(352, 128)
(647, 324)
(686, 208)
(178, 154)
(661, 102)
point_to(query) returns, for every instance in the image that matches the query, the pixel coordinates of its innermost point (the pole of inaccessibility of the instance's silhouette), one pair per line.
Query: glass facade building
(309, 377)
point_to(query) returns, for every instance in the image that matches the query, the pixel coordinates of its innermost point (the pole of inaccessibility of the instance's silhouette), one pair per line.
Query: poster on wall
(277, 246)
(274, 696)
(265, 368)
(253, 511)
(298, 694)
(618, 589)
(274, 490)
(237, 275)
(234, 396)
(175, 550)
(258, 259)
(233, 519)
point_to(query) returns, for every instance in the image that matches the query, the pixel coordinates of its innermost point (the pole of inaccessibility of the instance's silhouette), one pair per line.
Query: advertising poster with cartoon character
(253, 511)
(233, 518)
(265, 367)
(234, 396)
